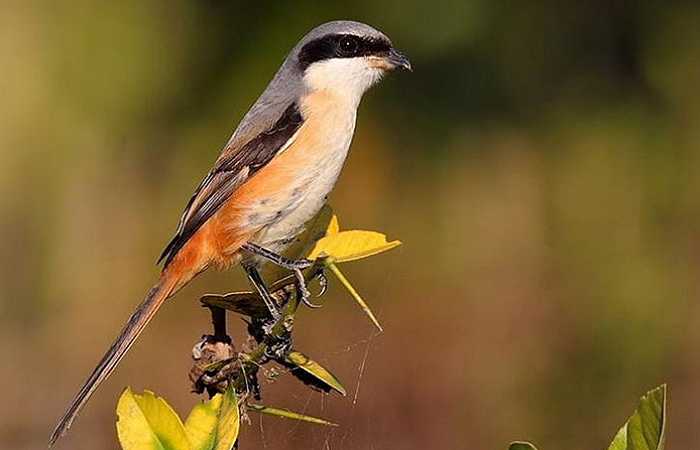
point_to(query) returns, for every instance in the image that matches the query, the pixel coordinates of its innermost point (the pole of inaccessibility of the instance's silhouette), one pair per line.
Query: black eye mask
(341, 46)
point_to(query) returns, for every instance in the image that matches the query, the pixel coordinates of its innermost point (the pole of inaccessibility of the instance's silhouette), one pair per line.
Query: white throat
(347, 78)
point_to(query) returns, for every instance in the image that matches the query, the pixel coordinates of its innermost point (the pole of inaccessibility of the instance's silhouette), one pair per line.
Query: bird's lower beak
(398, 60)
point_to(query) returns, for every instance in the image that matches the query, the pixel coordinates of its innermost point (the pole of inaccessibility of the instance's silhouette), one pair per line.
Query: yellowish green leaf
(645, 429)
(201, 424)
(287, 414)
(314, 369)
(146, 422)
(521, 446)
(351, 245)
(365, 307)
(620, 440)
(229, 421)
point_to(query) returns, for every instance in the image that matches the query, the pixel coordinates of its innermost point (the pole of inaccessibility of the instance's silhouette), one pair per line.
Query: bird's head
(346, 58)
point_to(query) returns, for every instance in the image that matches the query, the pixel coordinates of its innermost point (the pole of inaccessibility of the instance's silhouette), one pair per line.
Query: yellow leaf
(354, 293)
(229, 421)
(201, 424)
(146, 422)
(287, 414)
(351, 245)
(316, 370)
(333, 226)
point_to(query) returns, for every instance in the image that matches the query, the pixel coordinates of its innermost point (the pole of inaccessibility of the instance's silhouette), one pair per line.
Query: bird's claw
(322, 282)
(303, 291)
(296, 266)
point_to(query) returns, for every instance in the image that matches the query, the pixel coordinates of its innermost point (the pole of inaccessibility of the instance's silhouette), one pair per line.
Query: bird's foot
(303, 290)
(322, 282)
(296, 266)
(275, 258)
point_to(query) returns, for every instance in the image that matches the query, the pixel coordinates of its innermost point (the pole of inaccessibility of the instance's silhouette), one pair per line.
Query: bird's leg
(259, 285)
(295, 265)
(277, 259)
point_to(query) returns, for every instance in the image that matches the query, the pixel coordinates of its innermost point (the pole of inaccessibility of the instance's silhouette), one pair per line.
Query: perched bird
(272, 176)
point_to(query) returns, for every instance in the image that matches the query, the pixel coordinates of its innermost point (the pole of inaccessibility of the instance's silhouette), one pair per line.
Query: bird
(272, 176)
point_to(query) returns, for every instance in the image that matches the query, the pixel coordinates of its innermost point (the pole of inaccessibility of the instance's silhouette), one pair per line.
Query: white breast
(333, 130)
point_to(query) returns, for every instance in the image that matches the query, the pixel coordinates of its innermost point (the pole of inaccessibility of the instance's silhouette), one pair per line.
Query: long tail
(165, 288)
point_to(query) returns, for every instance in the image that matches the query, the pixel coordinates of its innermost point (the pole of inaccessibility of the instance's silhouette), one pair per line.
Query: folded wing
(236, 164)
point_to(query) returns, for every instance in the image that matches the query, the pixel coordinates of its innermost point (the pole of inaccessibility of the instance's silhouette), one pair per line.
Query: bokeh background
(539, 166)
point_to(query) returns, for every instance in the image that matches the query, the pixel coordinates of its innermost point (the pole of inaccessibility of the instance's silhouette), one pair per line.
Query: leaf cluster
(231, 377)
(146, 421)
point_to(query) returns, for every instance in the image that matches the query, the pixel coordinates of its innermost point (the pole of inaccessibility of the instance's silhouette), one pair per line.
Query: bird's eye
(348, 45)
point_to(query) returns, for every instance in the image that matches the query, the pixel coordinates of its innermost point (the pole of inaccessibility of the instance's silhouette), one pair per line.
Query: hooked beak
(398, 60)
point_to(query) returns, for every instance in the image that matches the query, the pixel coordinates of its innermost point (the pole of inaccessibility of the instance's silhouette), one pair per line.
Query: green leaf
(360, 301)
(645, 429)
(520, 445)
(351, 245)
(314, 369)
(201, 423)
(147, 422)
(287, 414)
(620, 440)
(229, 422)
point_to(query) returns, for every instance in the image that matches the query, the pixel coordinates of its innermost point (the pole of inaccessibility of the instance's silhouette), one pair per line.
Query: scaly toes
(322, 282)
(299, 264)
(303, 291)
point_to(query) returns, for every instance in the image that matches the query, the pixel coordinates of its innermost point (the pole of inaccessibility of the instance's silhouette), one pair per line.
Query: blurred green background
(538, 165)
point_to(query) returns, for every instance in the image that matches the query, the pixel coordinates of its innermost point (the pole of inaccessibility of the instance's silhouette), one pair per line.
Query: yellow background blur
(539, 165)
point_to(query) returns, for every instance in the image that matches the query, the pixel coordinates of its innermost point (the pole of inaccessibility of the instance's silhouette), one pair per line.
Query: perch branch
(215, 367)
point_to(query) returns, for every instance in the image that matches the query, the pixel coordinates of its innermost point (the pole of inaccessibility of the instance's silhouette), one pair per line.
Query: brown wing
(231, 170)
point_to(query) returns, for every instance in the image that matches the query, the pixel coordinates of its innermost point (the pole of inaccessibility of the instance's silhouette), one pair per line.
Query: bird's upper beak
(398, 60)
